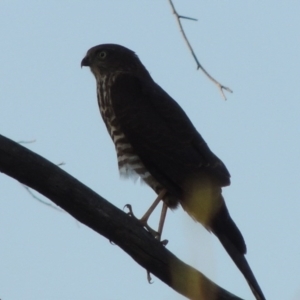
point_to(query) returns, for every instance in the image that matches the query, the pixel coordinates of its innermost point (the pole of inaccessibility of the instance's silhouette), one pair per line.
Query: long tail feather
(233, 242)
(206, 205)
(242, 264)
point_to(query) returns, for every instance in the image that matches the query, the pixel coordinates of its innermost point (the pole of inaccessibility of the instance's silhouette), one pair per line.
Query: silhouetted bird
(155, 140)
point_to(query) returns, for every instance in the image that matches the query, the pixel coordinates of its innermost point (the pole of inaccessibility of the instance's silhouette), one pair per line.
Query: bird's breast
(129, 163)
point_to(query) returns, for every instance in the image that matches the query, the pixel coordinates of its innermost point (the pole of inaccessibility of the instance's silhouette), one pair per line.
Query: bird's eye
(102, 54)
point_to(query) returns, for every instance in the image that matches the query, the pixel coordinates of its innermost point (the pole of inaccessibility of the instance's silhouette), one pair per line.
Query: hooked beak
(85, 62)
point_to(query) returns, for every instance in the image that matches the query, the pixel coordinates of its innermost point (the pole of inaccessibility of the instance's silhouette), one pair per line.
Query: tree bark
(97, 213)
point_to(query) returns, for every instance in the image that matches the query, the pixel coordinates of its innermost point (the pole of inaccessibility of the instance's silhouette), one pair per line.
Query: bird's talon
(128, 206)
(149, 278)
(130, 211)
(164, 242)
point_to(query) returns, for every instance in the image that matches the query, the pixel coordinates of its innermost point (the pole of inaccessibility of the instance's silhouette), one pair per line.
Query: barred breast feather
(129, 163)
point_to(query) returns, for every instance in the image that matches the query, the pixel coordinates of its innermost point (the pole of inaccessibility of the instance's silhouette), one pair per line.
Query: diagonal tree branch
(220, 86)
(100, 215)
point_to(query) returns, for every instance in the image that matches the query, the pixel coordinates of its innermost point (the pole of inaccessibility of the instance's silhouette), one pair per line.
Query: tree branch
(100, 215)
(199, 66)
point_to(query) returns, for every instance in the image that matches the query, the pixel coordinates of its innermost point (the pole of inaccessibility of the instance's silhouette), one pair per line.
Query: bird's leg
(162, 222)
(145, 217)
(159, 232)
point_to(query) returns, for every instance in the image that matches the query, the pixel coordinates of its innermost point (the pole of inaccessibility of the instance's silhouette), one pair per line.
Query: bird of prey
(155, 140)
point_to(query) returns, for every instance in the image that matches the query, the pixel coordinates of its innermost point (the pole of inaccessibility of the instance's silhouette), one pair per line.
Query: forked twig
(199, 66)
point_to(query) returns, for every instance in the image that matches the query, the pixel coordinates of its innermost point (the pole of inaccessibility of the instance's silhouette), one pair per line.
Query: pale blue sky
(44, 95)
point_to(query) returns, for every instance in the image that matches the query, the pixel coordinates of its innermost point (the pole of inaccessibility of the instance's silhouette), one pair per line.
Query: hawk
(156, 141)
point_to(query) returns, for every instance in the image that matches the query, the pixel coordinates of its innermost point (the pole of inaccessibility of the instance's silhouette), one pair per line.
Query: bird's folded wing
(161, 133)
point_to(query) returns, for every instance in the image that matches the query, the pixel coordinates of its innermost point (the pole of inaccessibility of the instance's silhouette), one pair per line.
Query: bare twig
(26, 142)
(199, 66)
(29, 190)
(94, 211)
(39, 199)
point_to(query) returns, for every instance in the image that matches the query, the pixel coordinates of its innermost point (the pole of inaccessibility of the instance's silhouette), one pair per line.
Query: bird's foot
(154, 233)
(143, 222)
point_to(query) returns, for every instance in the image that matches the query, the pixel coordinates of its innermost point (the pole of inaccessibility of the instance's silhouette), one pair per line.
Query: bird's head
(111, 58)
